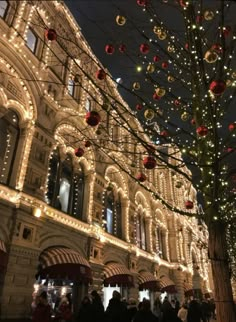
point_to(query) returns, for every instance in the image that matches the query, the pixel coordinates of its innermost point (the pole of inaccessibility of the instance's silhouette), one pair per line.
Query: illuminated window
(3, 8)
(113, 214)
(31, 40)
(141, 232)
(88, 105)
(71, 87)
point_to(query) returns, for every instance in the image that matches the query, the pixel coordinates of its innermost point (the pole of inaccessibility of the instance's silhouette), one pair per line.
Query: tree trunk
(225, 307)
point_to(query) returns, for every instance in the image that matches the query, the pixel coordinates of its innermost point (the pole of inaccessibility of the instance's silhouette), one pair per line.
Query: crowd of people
(120, 310)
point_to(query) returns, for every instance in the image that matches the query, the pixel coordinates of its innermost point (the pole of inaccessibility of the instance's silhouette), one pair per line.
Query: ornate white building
(78, 219)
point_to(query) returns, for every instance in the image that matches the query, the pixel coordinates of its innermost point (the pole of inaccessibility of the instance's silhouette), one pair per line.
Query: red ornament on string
(79, 152)
(155, 96)
(217, 48)
(122, 48)
(164, 133)
(177, 103)
(149, 162)
(186, 46)
(100, 74)
(87, 144)
(199, 18)
(189, 204)
(226, 31)
(92, 118)
(217, 87)
(156, 58)
(109, 49)
(142, 3)
(51, 34)
(202, 130)
(141, 177)
(165, 65)
(144, 48)
(139, 107)
(232, 127)
(193, 122)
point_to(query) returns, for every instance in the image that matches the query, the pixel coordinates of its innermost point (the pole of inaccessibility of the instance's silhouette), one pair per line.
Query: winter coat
(194, 312)
(131, 312)
(85, 314)
(145, 316)
(116, 311)
(97, 311)
(42, 313)
(64, 313)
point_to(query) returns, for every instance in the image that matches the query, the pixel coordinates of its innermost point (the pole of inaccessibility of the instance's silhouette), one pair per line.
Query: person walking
(182, 313)
(131, 309)
(42, 311)
(194, 312)
(145, 314)
(64, 313)
(116, 310)
(97, 308)
(84, 313)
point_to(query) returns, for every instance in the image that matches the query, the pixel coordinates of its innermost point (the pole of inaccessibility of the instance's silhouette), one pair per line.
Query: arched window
(31, 40)
(3, 8)
(9, 134)
(141, 231)
(88, 105)
(65, 189)
(71, 87)
(162, 243)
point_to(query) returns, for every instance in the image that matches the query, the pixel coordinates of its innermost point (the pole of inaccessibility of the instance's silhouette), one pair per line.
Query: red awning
(62, 262)
(147, 281)
(167, 285)
(3, 257)
(117, 274)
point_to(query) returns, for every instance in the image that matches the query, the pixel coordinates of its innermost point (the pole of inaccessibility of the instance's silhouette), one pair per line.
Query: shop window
(31, 40)
(9, 133)
(65, 188)
(71, 87)
(4, 5)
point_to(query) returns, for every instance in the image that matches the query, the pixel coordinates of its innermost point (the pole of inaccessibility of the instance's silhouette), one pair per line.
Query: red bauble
(226, 31)
(155, 96)
(202, 130)
(156, 58)
(164, 133)
(139, 107)
(199, 18)
(189, 204)
(141, 177)
(149, 162)
(217, 87)
(122, 48)
(110, 49)
(100, 74)
(193, 122)
(165, 65)
(186, 46)
(144, 48)
(177, 103)
(217, 48)
(229, 150)
(79, 152)
(142, 3)
(87, 144)
(183, 3)
(232, 127)
(92, 118)
(51, 34)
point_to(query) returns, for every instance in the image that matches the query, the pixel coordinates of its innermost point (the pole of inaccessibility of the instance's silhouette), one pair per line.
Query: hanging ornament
(193, 122)
(188, 204)
(228, 83)
(208, 15)
(142, 3)
(156, 30)
(164, 133)
(141, 177)
(211, 56)
(162, 35)
(217, 48)
(232, 127)
(185, 116)
(156, 58)
(177, 102)
(199, 18)
(217, 87)
(149, 162)
(160, 91)
(149, 114)
(165, 65)
(100, 74)
(93, 118)
(109, 49)
(120, 20)
(155, 96)
(183, 3)
(79, 152)
(87, 144)
(51, 34)
(122, 48)
(170, 79)
(171, 49)
(150, 68)
(136, 86)
(226, 31)
(186, 46)
(202, 130)
(144, 48)
(233, 75)
(138, 107)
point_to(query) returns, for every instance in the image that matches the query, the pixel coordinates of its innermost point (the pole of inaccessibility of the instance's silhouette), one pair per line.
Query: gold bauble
(120, 20)
(162, 35)
(208, 15)
(136, 85)
(185, 116)
(156, 30)
(228, 83)
(171, 49)
(170, 79)
(211, 56)
(150, 68)
(160, 91)
(149, 114)
(233, 75)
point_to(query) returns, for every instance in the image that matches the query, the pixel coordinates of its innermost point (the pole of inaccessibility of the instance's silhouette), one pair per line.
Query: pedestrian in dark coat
(131, 309)
(194, 312)
(97, 308)
(84, 314)
(168, 312)
(145, 314)
(116, 310)
(42, 311)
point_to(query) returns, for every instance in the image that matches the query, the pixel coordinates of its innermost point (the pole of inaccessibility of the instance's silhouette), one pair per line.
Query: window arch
(65, 189)
(9, 133)
(4, 6)
(141, 231)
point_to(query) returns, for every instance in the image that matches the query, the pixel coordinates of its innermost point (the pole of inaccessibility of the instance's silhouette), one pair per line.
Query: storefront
(63, 272)
(148, 286)
(117, 277)
(167, 287)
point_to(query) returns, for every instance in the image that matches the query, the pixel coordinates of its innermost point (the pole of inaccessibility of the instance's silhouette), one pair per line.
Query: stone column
(132, 264)
(178, 276)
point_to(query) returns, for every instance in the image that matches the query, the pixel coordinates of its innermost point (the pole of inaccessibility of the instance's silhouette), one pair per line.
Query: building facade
(77, 205)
